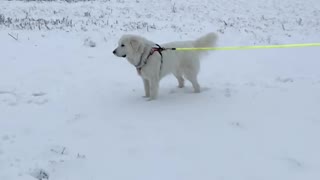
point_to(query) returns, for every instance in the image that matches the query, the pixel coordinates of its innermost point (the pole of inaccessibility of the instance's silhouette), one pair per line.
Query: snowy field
(71, 110)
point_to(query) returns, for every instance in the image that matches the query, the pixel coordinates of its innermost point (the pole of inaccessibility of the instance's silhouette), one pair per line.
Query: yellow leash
(247, 47)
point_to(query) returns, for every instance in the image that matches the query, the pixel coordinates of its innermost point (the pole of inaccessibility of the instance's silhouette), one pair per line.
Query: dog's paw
(197, 91)
(151, 99)
(145, 96)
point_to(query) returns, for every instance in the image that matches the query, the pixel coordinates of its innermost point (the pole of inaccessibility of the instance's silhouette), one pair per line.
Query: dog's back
(178, 60)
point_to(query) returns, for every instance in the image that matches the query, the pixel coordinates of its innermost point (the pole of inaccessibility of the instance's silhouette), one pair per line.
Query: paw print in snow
(38, 98)
(9, 98)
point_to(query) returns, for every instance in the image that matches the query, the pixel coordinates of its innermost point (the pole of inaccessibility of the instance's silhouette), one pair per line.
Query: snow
(72, 110)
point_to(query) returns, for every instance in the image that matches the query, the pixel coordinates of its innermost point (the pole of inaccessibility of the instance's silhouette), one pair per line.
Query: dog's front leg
(146, 87)
(154, 88)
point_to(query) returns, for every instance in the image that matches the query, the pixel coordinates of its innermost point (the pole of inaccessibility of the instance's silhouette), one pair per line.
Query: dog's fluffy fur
(182, 64)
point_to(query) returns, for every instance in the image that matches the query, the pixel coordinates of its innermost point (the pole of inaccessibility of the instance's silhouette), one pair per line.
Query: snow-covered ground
(69, 111)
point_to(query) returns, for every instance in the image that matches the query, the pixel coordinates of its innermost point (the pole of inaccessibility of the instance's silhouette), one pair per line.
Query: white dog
(154, 61)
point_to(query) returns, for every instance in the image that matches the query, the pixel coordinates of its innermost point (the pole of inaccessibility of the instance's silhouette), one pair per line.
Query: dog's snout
(114, 51)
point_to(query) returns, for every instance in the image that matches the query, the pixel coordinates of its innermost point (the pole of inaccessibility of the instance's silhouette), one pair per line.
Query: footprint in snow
(7, 138)
(236, 124)
(292, 162)
(227, 92)
(251, 84)
(9, 98)
(76, 117)
(38, 98)
(284, 80)
(316, 82)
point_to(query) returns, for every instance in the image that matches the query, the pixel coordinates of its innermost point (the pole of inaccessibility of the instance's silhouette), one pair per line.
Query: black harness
(142, 62)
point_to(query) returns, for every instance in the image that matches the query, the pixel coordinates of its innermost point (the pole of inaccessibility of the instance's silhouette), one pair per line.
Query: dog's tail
(207, 40)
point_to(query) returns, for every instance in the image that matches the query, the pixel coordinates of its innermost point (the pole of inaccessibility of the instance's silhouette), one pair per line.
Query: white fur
(182, 64)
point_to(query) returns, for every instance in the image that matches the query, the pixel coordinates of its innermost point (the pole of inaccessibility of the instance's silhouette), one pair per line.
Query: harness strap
(142, 63)
(160, 49)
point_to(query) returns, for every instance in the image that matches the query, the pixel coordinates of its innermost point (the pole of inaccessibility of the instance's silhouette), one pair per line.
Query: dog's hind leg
(180, 79)
(192, 77)
(146, 87)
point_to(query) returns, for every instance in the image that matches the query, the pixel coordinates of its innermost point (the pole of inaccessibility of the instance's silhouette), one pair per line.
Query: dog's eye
(122, 45)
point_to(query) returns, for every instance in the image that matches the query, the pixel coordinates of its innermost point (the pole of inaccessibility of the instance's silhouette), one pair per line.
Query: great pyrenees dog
(154, 61)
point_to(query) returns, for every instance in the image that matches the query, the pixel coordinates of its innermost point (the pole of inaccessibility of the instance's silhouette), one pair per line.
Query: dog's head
(130, 46)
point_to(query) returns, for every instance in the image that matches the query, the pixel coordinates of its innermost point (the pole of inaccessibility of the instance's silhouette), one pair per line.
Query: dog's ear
(136, 45)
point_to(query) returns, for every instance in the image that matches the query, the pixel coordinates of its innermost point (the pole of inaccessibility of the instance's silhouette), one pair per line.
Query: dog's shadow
(173, 94)
(185, 94)
(186, 90)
